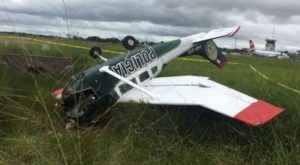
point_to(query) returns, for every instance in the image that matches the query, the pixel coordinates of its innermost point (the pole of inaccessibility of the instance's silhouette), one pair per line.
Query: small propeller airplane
(132, 78)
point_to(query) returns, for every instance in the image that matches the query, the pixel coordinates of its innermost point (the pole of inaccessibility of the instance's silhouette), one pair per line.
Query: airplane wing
(216, 33)
(200, 91)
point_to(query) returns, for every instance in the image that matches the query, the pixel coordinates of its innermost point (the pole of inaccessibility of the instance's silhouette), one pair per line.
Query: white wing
(194, 90)
(216, 33)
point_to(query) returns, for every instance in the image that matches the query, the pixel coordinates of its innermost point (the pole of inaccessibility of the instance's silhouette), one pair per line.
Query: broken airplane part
(132, 78)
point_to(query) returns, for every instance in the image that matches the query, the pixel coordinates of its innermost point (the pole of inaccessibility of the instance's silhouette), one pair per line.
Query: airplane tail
(204, 45)
(251, 45)
(209, 50)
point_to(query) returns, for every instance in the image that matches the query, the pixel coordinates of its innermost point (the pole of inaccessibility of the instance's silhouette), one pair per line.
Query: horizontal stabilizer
(213, 34)
(204, 45)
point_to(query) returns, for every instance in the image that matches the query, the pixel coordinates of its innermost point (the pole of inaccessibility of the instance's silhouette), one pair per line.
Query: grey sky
(156, 19)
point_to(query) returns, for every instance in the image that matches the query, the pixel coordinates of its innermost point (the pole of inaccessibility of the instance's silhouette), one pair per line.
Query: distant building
(270, 44)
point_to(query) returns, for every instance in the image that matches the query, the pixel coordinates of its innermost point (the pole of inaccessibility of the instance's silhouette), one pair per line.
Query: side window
(154, 70)
(144, 76)
(126, 87)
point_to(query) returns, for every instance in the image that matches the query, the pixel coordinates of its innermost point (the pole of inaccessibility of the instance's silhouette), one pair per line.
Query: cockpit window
(144, 76)
(126, 87)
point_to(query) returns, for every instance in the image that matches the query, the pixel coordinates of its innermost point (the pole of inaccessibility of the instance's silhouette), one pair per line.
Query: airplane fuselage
(138, 66)
(102, 85)
(267, 53)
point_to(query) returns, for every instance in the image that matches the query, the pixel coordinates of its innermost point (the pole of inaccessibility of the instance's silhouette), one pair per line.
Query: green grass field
(32, 128)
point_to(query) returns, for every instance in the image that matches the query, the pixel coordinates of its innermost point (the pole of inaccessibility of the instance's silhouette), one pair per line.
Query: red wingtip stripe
(233, 33)
(58, 92)
(258, 113)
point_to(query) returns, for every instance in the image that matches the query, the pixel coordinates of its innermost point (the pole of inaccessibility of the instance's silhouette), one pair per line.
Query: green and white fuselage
(138, 66)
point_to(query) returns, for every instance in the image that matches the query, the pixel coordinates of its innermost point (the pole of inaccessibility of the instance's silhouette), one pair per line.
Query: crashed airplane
(133, 78)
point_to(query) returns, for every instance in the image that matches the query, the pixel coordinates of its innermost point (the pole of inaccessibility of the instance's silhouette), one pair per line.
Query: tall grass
(32, 127)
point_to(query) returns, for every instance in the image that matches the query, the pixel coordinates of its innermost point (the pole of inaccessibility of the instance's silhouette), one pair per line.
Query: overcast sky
(157, 20)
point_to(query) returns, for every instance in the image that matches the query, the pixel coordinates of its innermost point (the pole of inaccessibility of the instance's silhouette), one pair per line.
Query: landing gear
(211, 50)
(129, 42)
(95, 52)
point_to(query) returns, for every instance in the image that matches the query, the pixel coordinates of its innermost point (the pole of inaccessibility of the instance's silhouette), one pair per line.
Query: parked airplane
(265, 53)
(131, 78)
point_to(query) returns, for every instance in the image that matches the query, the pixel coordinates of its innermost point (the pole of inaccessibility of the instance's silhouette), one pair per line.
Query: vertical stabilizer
(251, 45)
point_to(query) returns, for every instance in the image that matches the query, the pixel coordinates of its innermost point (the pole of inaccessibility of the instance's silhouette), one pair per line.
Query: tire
(211, 50)
(129, 42)
(95, 51)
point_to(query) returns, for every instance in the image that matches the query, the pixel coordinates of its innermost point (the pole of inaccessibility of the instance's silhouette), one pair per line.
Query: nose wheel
(95, 52)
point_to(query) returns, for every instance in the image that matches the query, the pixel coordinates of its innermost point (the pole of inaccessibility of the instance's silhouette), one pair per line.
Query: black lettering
(135, 62)
(129, 65)
(152, 54)
(136, 65)
(117, 69)
(146, 57)
(140, 60)
(123, 68)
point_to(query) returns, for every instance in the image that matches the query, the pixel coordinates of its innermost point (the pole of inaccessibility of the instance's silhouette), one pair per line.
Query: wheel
(211, 50)
(129, 42)
(95, 51)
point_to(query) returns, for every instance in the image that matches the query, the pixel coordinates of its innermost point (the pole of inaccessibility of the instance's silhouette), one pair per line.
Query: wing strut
(107, 70)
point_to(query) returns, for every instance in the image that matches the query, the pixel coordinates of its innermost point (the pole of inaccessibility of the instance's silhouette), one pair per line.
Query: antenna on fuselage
(96, 52)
